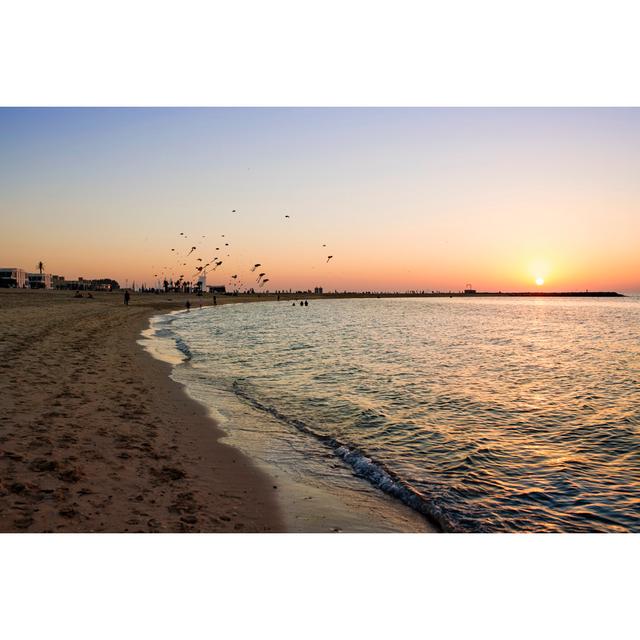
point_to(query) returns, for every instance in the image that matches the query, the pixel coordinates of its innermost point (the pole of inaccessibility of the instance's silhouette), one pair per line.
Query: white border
(335, 52)
(318, 586)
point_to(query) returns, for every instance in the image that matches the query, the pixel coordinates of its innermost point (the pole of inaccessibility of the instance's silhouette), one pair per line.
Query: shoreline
(82, 450)
(308, 501)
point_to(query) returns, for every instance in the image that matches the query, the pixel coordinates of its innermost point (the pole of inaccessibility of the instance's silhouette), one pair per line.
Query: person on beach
(188, 305)
(301, 303)
(215, 302)
(126, 298)
(306, 303)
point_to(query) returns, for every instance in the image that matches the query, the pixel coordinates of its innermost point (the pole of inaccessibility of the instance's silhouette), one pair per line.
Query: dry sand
(94, 436)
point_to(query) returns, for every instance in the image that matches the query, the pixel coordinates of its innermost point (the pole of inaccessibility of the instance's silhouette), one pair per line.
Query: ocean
(478, 414)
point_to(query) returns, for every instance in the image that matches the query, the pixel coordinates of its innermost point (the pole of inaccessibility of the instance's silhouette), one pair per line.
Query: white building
(39, 280)
(13, 277)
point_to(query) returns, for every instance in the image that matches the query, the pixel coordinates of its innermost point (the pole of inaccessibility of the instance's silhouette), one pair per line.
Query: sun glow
(539, 281)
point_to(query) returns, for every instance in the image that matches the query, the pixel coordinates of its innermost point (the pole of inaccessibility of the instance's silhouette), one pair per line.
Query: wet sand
(94, 436)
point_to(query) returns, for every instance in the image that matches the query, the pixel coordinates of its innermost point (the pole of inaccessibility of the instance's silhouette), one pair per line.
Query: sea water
(480, 414)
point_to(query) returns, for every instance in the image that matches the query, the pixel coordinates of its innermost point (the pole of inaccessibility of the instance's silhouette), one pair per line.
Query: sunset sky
(403, 198)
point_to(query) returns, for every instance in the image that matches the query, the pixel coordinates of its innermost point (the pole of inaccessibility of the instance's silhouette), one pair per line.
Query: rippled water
(483, 414)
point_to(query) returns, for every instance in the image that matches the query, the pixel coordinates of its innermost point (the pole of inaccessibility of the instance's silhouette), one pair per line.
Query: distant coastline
(461, 294)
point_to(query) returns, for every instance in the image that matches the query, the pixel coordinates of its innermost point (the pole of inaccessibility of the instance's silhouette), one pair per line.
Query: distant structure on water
(318, 291)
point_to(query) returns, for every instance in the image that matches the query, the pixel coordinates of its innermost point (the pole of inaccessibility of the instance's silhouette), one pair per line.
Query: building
(318, 291)
(217, 288)
(81, 284)
(57, 282)
(39, 280)
(13, 278)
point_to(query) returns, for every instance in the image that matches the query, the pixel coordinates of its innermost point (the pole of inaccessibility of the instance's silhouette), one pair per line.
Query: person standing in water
(188, 305)
(215, 302)
(126, 297)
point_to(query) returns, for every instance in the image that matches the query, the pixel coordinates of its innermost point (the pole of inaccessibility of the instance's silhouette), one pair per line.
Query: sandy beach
(94, 436)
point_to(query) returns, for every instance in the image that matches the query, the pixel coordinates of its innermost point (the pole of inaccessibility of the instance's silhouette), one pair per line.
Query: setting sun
(539, 281)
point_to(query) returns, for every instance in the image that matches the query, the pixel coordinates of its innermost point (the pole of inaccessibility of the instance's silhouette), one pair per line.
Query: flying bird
(260, 276)
(329, 258)
(192, 250)
(255, 266)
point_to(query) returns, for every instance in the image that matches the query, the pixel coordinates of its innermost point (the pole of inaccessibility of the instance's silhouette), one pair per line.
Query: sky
(403, 199)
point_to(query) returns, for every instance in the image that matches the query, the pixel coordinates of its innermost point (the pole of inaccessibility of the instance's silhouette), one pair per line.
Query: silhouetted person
(215, 302)
(188, 305)
(301, 303)
(278, 297)
(126, 298)
(306, 303)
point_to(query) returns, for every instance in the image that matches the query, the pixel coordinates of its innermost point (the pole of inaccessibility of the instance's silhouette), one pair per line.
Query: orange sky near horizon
(419, 199)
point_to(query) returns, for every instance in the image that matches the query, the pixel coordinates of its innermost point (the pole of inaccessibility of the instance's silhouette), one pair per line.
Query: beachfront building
(39, 280)
(57, 282)
(13, 278)
(82, 284)
(213, 288)
(318, 291)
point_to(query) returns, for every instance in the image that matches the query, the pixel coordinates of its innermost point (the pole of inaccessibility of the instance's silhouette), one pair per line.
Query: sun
(539, 281)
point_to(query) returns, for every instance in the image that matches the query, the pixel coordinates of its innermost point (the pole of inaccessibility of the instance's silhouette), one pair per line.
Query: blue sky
(408, 198)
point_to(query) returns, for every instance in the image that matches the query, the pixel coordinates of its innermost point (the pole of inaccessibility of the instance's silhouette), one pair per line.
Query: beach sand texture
(94, 436)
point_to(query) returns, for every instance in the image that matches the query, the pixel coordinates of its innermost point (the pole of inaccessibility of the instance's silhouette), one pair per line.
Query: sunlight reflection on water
(496, 414)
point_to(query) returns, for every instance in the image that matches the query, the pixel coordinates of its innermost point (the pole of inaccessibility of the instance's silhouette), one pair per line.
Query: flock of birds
(182, 261)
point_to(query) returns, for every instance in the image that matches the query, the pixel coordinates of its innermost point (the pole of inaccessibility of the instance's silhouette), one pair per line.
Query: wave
(161, 326)
(183, 348)
(364, 466)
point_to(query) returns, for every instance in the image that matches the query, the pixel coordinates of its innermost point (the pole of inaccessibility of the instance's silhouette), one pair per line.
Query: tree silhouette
(40, 267)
